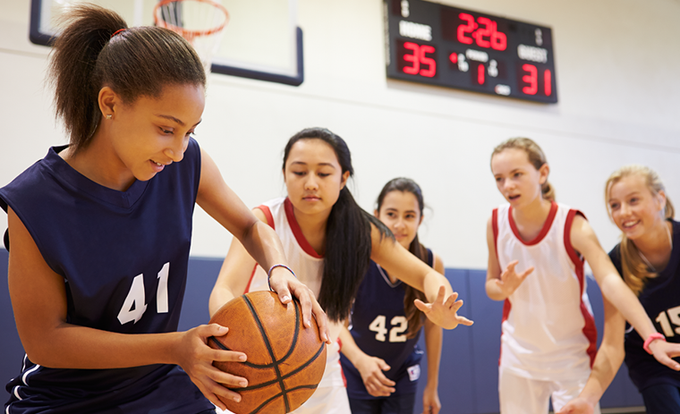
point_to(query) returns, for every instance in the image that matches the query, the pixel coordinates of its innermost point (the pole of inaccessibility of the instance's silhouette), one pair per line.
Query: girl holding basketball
(329, 241)
(548, 341)
(648, 257)
(383, 302)
(99, 232)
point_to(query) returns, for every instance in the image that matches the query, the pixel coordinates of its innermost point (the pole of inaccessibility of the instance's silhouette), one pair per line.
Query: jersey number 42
(398, 325)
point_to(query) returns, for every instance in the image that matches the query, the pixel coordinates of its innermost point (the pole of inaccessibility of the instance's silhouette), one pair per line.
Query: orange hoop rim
(190, 33)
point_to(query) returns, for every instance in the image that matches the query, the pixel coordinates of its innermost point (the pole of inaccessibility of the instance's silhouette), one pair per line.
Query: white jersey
(548, 331)
(308, 267)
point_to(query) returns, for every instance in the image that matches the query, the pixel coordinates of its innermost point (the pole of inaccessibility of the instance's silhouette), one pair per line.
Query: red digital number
(531, 79)
(421, 63)
(484, 32)
(465, 29)
(412, 70)
(480, 74)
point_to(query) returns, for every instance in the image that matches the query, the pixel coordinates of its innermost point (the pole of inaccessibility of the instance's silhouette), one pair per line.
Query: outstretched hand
(510, 279)
(577, 406)
(196, 359)
(443, 311)
(663, 352)
(283, 283)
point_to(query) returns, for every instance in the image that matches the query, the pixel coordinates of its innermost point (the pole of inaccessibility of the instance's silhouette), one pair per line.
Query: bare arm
(433, 346)
(39, 302)
(370, 368)
(607, 362)
(399, 262)
(258, 240)
(616, 292)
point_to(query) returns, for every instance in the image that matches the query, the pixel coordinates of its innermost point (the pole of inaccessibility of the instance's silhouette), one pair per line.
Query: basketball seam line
(269, 346)
(288, 375)
(264, 404)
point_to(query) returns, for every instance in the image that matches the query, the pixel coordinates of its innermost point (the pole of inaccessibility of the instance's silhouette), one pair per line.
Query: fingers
(462, 320)
(422, 306)
(526, 273)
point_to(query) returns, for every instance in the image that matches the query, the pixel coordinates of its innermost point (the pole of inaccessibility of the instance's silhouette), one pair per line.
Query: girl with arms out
(99, 232)
(329, 241)
(386, 325)
(548, 343)
(648, 257)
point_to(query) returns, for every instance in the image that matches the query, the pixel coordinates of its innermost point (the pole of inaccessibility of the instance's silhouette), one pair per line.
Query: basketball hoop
(200, 22)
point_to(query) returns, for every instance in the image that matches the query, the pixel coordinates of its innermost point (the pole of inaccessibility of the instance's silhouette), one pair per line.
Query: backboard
(262, 40)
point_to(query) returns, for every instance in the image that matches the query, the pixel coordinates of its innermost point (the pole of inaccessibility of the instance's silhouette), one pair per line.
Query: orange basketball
(285, 360)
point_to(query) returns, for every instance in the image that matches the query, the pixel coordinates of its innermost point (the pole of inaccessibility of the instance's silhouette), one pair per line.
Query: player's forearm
(431, 284)
(264, 245)
(350, 349)
(433, 346)
(616, 291)
(605, 367)
(78, 347)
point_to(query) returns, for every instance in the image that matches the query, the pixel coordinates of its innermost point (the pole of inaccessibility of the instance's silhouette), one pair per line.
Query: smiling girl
(385, 324)
(99, 232)
(329, 241)
(648, 257)
(548, 332)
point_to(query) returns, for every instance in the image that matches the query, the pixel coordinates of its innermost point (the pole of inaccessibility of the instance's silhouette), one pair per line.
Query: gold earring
(108, 116)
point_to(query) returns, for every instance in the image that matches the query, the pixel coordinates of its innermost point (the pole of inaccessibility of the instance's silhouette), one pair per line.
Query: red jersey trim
(267, 214)
(544, 230)
(252, 274)
(507, 307)
(297, 232)
(589, 329)
(270, 220)
(494, 226)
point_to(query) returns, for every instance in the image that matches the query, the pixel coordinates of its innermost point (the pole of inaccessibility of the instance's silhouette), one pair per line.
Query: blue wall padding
(468, 379)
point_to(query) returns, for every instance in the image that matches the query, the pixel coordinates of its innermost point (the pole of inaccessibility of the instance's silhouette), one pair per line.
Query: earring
(108, 116)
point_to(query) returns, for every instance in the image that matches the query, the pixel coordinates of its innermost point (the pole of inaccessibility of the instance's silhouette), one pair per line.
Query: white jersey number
(399, 325)
(134, 307)
(668, 317)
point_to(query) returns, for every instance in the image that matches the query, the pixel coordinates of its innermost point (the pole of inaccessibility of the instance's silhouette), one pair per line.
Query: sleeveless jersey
(308, 267)
(123, 257)
(548, 331)
(379, 328)
(661, 299)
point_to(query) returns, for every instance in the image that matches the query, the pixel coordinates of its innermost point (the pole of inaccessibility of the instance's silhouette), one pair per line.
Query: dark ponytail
(135, 62)
(348, 235)
(413, 315)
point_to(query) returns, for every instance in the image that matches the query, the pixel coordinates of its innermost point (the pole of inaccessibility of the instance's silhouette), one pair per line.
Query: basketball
(285, 360)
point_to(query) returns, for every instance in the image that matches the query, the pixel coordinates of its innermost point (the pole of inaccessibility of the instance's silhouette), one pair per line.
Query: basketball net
(200, 22)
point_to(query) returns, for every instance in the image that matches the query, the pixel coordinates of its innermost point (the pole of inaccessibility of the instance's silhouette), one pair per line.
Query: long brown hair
(536, 158)
(414, 316)
(137, 61)
(348, 234)
(635, 271)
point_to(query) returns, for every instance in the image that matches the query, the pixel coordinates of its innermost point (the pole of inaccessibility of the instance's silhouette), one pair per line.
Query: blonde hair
(635, 271)
(536, 158)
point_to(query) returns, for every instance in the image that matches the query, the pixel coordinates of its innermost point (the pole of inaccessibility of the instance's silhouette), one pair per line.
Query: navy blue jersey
(661, 299)
(379, 327)
(123, 257)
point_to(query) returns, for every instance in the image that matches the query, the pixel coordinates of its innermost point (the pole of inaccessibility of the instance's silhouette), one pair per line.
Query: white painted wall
(619, 101)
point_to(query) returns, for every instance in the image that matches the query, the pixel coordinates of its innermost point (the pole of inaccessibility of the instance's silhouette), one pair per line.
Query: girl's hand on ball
(196, 359)
(443, 311)
(284, 283)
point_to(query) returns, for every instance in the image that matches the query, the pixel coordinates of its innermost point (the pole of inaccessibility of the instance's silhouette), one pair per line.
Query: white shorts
(520, 395)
